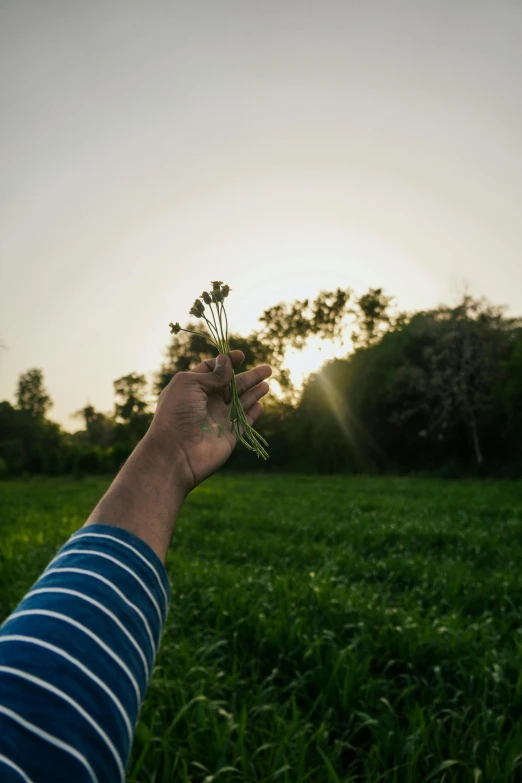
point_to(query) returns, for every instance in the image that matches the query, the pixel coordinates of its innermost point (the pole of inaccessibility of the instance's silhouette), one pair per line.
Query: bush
(13, 454)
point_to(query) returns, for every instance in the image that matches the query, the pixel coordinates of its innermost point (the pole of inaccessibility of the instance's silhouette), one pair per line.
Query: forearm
(76, 657)
(77, 654)
(146, 496)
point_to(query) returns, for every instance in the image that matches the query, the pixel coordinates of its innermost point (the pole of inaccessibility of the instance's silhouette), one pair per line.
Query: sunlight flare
(312, 357)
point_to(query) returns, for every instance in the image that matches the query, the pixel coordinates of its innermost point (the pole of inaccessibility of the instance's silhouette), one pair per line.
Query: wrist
(146, 496)
(167, 461)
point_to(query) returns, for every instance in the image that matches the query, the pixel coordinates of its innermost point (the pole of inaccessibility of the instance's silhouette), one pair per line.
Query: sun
(311, 358)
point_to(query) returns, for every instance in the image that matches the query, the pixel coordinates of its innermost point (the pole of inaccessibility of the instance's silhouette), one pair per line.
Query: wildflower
(197, 309)
(217, 336)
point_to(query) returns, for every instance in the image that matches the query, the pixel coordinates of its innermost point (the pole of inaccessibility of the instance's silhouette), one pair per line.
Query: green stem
(212, 330)
(220, 336)
(221, 431)
(245, 433)
(200, 334)
(219, 311)
(226, 319)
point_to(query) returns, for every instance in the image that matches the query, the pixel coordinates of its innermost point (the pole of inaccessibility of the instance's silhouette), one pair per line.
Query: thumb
(220, 376)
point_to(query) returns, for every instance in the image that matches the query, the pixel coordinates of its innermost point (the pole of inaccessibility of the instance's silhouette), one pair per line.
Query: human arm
(76, 655)
(181, 449)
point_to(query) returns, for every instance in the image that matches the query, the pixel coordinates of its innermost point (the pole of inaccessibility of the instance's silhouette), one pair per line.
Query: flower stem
(218, 338)
(200, 334)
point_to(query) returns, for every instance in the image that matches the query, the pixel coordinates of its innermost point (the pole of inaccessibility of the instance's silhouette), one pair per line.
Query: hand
(181, 448)
(193, 408)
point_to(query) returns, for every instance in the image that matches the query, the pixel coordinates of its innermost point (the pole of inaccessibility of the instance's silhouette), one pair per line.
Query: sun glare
(311, 358)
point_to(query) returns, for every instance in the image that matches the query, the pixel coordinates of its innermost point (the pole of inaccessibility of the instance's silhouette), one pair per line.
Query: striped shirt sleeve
(75, 659)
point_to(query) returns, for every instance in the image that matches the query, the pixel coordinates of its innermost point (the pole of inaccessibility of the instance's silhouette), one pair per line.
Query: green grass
(321, 629)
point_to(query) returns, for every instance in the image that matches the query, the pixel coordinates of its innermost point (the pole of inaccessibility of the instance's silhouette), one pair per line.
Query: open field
(321, 629)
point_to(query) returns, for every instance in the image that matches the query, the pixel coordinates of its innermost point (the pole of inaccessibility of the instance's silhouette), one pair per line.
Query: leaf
(332, 774)
(185, 709)
(440, 768)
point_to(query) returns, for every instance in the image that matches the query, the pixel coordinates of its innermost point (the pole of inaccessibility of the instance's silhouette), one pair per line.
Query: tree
(98, 426)
(131, 408)
(453, 379)
(464, 364)
(432, 385)
(290, 325)
(284, 326)
(508, 396)
(12, 437)
(32, 395)
(328, 316)
(186, 350)
(372, 317)
(130, 391)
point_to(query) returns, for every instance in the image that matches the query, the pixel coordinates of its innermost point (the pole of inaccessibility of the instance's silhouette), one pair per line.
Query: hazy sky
(148, 147)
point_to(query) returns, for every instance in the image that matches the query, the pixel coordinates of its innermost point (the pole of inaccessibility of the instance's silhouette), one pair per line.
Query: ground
(321, 629)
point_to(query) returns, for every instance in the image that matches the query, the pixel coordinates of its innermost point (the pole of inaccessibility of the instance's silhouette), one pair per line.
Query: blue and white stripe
(76, 657)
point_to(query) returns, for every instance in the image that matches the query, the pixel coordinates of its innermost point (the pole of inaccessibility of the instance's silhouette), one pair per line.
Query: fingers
(209, 364)
(254, 413)
(253, 395)
(246, 380)
(220, 377)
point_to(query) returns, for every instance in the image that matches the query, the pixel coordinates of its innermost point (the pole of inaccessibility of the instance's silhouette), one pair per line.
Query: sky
(284, 147)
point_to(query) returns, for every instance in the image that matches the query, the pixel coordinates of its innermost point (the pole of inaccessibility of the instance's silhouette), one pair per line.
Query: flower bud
(216, 285)
(217, 296)
(206, 297)
(175, 328)
(226, 290)
(197, 309)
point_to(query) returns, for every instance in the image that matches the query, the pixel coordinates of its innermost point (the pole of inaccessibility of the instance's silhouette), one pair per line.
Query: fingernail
(221, 360)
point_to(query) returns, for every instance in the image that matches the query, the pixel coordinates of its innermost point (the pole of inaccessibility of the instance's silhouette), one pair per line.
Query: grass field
(321, 629)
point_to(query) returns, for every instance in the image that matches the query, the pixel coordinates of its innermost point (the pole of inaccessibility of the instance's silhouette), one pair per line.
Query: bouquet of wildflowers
(217, 323)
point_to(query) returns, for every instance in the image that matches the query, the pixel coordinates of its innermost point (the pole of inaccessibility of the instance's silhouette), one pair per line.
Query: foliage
(32, 395)
(187, 349)
(184, 351)
(373, 317)
(29, 442)
(508, 392)
(290, 324)
(131, 408)
(436, 391)
(463, 361)
(432, 391)
(321, 629)
(99, 428)
(130, 391)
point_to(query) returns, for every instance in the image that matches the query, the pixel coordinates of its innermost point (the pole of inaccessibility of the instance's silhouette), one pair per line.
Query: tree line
(437, 391)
